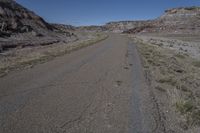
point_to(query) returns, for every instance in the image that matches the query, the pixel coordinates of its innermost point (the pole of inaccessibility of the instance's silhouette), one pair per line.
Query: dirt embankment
(174, 77)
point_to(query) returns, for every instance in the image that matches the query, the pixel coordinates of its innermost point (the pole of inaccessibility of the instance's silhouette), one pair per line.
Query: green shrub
(196, 63)
(184, 106)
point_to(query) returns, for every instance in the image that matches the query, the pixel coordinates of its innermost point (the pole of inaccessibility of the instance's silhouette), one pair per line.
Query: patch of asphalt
(89, 90)
(145, 110)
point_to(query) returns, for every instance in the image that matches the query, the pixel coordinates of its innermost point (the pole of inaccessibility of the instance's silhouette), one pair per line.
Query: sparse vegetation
(184, 106)
(181, 56)
(196, 63)
(160, 88)
(175, 75)
(34, 57)
(192, 8)
(168, 80)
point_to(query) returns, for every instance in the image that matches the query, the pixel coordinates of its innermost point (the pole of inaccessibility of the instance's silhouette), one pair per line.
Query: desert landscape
(124, 76)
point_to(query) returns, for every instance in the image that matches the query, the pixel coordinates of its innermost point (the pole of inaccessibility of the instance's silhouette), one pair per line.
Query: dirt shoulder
(16, 59)
(174, 77)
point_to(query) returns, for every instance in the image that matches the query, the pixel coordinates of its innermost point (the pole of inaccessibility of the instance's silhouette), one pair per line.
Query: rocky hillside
(17, 19)
(22, 27)
(180, 20)
(176, 20)
(123, 25)
(117, 27)
(63, 27)
(92, 28)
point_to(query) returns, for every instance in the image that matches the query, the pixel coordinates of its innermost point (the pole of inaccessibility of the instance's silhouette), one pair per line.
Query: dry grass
(184, 106)
(175, 75)
(167, 79)
(26, 58)
(196, 63)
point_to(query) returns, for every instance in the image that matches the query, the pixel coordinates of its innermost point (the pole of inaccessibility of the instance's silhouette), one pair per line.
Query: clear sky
(97, 12)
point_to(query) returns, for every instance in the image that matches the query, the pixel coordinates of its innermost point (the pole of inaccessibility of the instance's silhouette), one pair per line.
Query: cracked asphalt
(98, 89)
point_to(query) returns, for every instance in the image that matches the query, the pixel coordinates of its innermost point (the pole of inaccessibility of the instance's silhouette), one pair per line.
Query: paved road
(98, 89)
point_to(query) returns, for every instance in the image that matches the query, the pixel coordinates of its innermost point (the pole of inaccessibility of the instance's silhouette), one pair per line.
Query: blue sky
(97, 12)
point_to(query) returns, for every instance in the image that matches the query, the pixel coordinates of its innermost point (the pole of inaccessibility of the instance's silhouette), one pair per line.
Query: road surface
(98, 89)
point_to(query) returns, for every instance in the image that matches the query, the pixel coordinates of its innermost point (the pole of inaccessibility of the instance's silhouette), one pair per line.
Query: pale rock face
(177, 20)
(181, 14)
(123, 25)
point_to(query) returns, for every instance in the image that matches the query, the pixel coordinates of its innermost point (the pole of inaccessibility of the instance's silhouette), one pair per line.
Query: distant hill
(63, 27)
(177, 20)
(22, 27)
(123, 25)
(92, 28)
(17, 19)
(184, 20)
